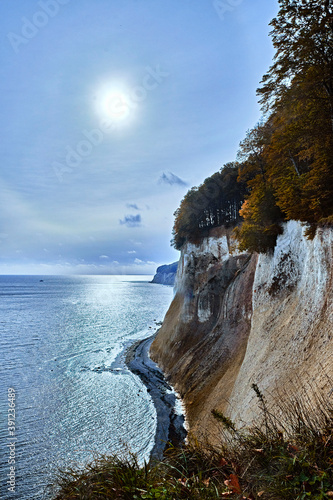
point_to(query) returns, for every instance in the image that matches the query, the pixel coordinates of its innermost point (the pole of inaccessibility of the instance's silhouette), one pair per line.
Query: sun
(116, 105)
(113, 103)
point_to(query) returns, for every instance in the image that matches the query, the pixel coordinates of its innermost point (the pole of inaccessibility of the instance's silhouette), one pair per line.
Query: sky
(111, 110)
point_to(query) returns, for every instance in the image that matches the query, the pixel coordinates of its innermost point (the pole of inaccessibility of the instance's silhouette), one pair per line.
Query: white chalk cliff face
(238, 319)
(290, 344)
(166, 275)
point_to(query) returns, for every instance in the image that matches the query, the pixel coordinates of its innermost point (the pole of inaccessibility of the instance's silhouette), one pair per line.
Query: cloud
(131, 220)
(133, 205)
(103, 257)
(131, 251)
(171, 179)
(114, 268)
(144, 263)
(136, 243)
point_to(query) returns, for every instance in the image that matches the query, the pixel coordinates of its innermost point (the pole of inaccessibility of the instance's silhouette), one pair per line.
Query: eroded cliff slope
(238, 319)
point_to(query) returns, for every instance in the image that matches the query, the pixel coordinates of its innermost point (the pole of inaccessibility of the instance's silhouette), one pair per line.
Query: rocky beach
(170, 424)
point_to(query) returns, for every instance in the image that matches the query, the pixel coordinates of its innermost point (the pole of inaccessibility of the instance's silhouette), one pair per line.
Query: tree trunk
(294, 163)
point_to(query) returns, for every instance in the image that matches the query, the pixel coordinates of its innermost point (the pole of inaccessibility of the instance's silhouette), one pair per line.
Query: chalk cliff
(238, 319)
(166, 275)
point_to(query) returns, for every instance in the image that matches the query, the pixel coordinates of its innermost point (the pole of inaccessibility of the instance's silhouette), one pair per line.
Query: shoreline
(170, 426)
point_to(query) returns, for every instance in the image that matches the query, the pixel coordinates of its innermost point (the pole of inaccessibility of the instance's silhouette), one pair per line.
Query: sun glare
(114, 104)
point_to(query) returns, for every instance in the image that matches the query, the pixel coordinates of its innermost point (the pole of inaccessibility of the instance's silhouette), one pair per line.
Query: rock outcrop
(238, 319)
(166, 275)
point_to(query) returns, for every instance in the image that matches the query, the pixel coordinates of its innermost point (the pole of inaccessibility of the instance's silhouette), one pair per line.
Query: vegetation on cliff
(215, 202)
(288, 455)
(285, 163)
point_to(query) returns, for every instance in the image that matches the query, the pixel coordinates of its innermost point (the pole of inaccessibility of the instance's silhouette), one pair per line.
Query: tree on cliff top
(216, 202)
(260, 213)
(286, 163)
(302, 35)
(298, 89)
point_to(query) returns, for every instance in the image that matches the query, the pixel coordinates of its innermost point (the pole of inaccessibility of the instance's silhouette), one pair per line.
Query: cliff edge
(166, 275)
(238, 319)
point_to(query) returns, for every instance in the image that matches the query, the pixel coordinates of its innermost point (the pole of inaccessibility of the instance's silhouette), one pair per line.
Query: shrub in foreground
(289, 454)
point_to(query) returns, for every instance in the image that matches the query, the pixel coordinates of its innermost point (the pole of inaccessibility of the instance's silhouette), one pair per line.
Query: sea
(65, 398)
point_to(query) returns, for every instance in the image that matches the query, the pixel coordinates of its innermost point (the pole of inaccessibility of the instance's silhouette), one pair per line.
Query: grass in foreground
(289, 455)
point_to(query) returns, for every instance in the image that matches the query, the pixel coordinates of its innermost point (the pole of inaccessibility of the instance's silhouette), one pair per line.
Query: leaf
(182, 481)
(293, 449)
(233, 484)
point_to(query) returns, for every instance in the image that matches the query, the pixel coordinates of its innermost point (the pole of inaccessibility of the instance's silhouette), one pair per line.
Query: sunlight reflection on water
(58, 340)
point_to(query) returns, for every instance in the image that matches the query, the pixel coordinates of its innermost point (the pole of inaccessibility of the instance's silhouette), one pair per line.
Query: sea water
(59, 339)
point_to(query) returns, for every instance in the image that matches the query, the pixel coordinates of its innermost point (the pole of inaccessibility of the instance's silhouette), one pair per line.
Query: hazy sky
(111, 110)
